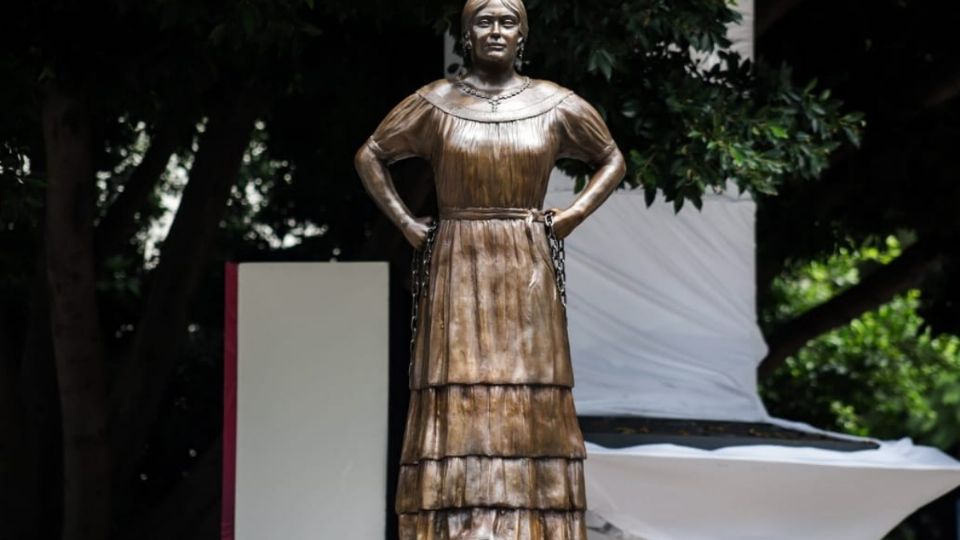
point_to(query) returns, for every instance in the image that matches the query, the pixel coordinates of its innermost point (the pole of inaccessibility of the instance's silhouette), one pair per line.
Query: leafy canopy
(689, 111)
(883, 375)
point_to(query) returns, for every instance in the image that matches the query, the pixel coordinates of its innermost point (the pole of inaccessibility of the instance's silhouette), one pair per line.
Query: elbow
(617, 165)
(363, 158)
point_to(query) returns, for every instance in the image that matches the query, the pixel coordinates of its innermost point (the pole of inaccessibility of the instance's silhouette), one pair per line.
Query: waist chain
(420, 263)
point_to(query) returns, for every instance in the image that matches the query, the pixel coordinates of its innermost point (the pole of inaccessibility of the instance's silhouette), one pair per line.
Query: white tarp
(666, 492)
(662, 323)
(661, 308)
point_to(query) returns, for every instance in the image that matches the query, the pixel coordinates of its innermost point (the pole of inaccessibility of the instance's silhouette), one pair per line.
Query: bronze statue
(492, 448)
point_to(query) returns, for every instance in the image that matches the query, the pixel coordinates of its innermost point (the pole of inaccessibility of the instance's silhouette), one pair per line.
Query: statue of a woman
(492, 448)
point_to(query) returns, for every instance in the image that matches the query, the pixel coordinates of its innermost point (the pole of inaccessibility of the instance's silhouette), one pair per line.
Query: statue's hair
(516, 6)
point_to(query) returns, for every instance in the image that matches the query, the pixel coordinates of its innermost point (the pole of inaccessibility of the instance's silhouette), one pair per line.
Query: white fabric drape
(661, 308)
(662, 323)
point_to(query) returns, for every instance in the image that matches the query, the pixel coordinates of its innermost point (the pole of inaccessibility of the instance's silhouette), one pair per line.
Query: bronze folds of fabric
(493, 314)
(492, 448)
(501, 524)
(487, 420)
(474, 481)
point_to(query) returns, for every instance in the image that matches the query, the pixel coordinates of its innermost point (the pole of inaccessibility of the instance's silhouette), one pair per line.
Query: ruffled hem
(492, 523)
(543, 484)
(487, 420)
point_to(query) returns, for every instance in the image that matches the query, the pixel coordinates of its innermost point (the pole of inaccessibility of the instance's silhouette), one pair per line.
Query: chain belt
(420, 263)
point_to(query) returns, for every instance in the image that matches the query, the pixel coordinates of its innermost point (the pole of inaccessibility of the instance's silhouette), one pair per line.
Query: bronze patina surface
(492, 448)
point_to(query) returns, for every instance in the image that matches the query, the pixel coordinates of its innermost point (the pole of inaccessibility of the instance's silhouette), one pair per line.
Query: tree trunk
(875, 290)
(73, 315)
(137, 394)
(12, 451)
(40, 494)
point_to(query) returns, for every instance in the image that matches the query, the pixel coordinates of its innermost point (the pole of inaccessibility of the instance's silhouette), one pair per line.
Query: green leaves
(689, 124)
(778, 132)
(601, 60)
(883, 375)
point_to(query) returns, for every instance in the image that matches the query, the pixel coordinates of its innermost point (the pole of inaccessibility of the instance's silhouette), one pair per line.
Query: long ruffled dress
(492, 447)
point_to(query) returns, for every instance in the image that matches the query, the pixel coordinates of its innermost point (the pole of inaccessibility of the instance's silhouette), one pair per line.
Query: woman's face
(495, 34)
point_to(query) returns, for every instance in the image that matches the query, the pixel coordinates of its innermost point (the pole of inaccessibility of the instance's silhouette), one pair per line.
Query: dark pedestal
(626, 431)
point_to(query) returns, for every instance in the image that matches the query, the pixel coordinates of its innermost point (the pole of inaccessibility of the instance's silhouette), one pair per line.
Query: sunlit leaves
(884, 375)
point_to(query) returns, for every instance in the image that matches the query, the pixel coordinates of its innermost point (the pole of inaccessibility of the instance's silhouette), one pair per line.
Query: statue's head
(494, 31)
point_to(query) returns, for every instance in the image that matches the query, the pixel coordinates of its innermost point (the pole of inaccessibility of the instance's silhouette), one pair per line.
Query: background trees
(874, 241)
(144, 143)
(893, 61)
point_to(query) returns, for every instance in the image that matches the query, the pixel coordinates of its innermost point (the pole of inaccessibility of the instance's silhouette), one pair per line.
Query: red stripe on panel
(228, 495)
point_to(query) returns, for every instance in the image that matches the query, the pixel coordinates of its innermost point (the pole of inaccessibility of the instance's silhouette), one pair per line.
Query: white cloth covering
(662, 323)
(661, 308)
(667, 492)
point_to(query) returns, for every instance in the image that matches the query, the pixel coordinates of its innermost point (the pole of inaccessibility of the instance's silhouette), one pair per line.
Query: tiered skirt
(492, 448)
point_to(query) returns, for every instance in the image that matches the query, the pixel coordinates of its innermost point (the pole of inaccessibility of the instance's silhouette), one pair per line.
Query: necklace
(494, 101)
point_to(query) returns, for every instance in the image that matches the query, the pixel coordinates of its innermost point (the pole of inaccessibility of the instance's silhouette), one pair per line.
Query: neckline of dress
(529, 111)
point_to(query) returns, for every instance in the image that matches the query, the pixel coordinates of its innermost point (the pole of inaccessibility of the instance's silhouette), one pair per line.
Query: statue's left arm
(584, 136)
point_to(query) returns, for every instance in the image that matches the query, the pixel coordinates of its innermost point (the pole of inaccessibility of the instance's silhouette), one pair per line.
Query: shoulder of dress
(548, 87)
(559, 97)
(542, 96)
(547, 93)
(436, 90)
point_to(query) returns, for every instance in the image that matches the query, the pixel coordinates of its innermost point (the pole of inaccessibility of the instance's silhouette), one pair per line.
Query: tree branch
(768, 13)
(137, 394)
(873, 291)
(119, 223)
(940, 93)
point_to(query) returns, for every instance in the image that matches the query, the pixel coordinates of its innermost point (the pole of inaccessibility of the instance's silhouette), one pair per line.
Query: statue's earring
(519, 61)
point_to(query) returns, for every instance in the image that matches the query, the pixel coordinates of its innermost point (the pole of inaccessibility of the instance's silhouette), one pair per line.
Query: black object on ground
(626, 431)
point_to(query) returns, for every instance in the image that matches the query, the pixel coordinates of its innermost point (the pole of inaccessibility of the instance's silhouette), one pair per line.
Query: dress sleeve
(407, 131)
(583, 134)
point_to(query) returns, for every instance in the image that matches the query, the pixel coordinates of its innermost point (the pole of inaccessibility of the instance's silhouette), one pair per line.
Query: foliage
(895, 62)
(690, 112)
(884, 375)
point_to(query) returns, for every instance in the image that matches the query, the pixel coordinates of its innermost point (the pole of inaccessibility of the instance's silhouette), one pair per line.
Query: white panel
(312, 401)
(661, 308)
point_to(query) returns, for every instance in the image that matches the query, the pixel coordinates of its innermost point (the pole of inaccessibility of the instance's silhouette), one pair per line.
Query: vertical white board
(311, 443)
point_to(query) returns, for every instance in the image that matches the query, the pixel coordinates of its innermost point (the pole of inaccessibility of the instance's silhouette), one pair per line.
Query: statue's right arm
(378, 182)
